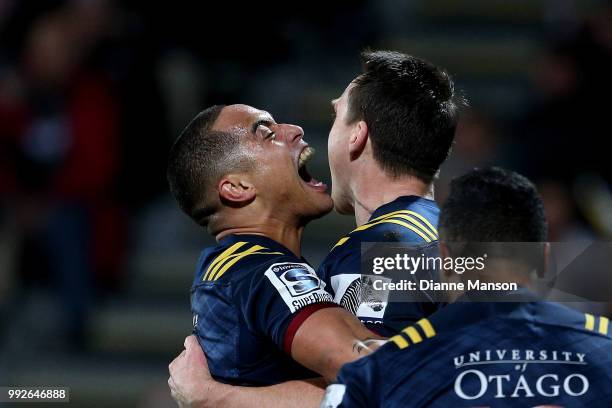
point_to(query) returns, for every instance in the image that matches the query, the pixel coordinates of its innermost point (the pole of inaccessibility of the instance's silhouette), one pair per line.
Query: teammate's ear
(235, 189)
(358, 139)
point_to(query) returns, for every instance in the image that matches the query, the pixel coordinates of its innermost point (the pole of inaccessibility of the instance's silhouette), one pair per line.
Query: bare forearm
(329, 339)
(306, 394)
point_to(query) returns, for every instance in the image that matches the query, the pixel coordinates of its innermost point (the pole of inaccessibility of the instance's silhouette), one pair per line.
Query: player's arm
(326, 340)
(192, 386)
(291, 394)
(330, 338)
(289, 304)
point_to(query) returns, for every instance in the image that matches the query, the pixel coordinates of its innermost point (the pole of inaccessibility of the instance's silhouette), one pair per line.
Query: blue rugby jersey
(249, 296)
(486, 355)
(408, 219)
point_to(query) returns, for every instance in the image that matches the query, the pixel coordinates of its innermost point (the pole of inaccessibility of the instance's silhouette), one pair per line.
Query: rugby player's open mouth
(305, 155)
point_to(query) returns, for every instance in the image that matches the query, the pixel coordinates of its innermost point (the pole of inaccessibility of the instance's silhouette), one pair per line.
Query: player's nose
(290, 133)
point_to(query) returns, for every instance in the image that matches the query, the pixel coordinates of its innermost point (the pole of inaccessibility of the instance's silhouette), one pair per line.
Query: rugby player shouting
(260, 312)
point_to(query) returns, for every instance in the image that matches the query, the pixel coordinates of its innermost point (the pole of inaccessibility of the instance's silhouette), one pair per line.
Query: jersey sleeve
(354, 388)
(277, 301)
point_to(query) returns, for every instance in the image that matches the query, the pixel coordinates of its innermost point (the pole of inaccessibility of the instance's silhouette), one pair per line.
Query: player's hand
(190, 380)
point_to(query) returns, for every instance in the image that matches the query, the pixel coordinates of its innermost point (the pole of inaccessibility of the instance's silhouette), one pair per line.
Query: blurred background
(95, 258)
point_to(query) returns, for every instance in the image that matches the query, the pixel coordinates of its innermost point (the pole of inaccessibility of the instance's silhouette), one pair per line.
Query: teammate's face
(280, 155)
(338, 154)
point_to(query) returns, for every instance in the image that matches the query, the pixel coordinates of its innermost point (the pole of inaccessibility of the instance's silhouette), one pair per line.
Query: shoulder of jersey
(424, 329)
(409, 221)
(597, 324)
(417, 333)
(565, 316)
(243, 253)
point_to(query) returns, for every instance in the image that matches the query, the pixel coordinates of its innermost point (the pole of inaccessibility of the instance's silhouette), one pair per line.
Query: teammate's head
(231, 158)
(404, 108)
(486, 207)
(493, 205)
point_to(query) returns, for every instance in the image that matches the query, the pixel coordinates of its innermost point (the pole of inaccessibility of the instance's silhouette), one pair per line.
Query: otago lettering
(504, 386)
(472, 383)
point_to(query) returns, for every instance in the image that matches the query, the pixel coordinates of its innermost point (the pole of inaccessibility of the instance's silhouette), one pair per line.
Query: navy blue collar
(401, 203)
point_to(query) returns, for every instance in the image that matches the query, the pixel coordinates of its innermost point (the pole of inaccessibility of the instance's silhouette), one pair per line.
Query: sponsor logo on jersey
(297, 278)
(298, 284)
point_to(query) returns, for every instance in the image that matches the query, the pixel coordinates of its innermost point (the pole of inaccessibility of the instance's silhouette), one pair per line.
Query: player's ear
(236, 189)
(358, 139)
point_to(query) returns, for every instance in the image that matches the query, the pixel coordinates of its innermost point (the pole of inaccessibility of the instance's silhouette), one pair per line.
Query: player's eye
(271, 136)
(263, 131)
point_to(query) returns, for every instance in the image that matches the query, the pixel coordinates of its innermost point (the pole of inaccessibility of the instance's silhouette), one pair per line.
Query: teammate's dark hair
(411, 110)
(493, 205)
(197, 160)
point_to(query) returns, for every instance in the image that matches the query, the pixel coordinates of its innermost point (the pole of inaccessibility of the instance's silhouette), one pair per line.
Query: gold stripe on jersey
(416, 219)
(219, 259)
(399, 341)
(380, 217)
(417, 223)
(390, 221)
(419, 216)
(604, 323)
(398, 222)
(427, 328)
(413, 334)
(589, 322)
(231, 260)
(340, 242)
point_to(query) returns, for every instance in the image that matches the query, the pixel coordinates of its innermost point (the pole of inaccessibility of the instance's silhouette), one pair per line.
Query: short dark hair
(198, 159)
(411, 110)
(494, 205)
